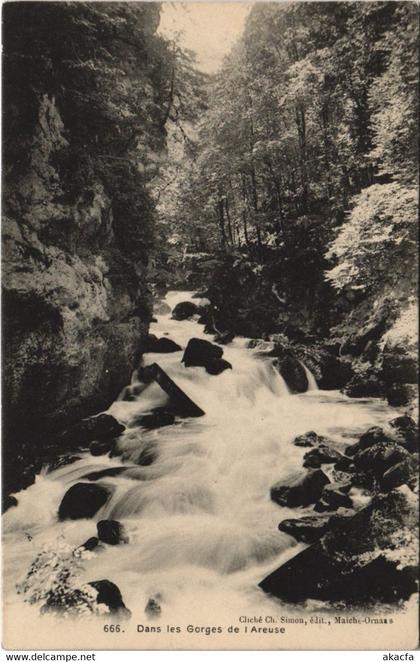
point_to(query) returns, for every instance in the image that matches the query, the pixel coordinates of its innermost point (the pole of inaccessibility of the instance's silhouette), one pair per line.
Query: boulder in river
(372, 436)
(82, 500)
(334, 496)
(88, 546)
(95, 428)
(293, 374)
(161, 345)
(301, 489)
(112, 532)
(350, 562)
(402, 473)
(217, 366)
(184, 310)
(323, 454)
(199, 352)
(110, 595)
(306, 529)
(380, 457)
(398, 395)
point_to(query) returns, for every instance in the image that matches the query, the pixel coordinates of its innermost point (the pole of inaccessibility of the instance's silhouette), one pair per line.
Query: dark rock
(404, 472)
(95, 428)
(100, 447)
(344, 464)
(89, 545)
(312, 462)
(407, 432)
(398, 395)
(293, 374)
(161, 345)
(301, 490)
(82, 500)
(112, 532)
(224, 338)
(324, 454)
(348, 563)
(336, 372)
(365, 386)
(306, 529)
(104, 473)
(110, 595)
(372, 436)
(184, 310)
(217, 366)
(380, 457)
(199, 352)
(334, 496)
(350, 451)
(157, 419)
(9, 501)
(308, 439)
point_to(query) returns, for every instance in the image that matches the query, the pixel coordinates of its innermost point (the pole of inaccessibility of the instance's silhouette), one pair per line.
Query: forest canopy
(302, 173)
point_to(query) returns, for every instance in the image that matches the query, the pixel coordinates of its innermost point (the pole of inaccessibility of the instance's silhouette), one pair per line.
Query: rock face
(75, 226)
(354, 560)
(82, 500)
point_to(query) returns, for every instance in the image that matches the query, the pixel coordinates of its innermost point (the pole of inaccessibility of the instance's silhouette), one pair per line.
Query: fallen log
(180, 403)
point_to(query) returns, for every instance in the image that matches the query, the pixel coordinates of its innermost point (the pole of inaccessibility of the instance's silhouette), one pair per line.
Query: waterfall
(312, 385)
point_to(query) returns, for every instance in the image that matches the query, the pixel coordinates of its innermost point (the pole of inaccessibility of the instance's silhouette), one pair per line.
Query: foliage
(378, 241)
(310, 128)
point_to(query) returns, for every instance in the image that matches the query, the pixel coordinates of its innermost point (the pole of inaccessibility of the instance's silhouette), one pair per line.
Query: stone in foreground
(112, 532)
(301, 489)
(82, 500)
(369, 557)
(110, 595)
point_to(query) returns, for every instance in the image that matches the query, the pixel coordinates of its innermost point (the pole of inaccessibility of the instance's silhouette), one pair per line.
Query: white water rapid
(203, 530)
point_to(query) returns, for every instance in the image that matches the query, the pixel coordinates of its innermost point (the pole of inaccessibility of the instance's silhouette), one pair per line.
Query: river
(203, 530)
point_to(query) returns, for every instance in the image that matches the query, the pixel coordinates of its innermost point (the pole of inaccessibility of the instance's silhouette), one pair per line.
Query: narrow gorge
(209, 316)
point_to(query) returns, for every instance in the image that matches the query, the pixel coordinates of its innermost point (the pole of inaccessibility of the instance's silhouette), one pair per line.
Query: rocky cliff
(77, 220)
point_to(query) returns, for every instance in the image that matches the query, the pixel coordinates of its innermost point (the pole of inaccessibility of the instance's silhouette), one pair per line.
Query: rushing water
(203, 530)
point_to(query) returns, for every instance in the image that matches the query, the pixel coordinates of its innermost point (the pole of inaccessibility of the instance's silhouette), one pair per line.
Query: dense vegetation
(302, 178)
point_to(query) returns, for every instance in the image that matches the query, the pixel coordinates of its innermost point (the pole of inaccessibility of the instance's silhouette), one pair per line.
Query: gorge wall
(83, 128)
